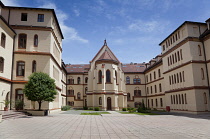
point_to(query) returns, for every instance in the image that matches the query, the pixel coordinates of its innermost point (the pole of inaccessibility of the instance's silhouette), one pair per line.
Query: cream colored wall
(15, 17)
(44, 41)
(6, 52)
(4, 89)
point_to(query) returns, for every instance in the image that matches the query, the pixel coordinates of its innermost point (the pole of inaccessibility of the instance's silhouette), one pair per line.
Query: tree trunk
(40, 104)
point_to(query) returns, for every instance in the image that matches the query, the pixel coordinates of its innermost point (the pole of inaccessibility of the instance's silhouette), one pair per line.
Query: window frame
(40, 18)
(17, 68)
(3, 40)
(24, 16)
(20, 36)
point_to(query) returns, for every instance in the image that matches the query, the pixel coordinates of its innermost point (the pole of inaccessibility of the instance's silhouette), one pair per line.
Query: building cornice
(186, 88)
(184, 64)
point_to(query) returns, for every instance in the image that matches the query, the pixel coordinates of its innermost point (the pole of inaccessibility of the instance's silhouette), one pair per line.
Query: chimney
(208, 23)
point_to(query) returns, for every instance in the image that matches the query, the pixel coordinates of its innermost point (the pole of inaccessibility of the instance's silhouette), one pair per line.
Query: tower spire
(105, 44)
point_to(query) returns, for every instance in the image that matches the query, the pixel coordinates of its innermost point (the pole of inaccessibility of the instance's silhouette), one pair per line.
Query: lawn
(138, 113)
(95, 113)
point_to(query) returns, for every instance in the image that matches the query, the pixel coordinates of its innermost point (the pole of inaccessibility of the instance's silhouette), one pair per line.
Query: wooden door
(109, 103)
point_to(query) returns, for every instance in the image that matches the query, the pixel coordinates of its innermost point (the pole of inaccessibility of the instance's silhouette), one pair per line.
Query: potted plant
(6, 103)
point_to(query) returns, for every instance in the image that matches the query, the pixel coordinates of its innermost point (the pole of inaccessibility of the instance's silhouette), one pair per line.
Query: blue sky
(133, 28)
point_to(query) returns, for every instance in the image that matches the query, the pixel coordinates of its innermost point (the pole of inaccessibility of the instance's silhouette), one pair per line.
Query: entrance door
(19, 99)
(109, 103)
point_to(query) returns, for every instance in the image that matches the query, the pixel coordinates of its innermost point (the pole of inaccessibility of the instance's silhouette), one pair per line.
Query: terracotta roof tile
(136, 67)
(77, 68)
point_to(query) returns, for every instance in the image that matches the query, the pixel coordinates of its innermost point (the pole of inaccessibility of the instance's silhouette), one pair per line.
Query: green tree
(40, 88)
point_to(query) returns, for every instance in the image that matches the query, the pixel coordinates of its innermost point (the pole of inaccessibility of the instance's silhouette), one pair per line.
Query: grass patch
(138, 113)
(88, 110)
(95, 113)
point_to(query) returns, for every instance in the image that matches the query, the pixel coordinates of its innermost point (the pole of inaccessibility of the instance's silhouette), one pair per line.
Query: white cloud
(10, 2)
(76, 12)
(148, 26)
(70, 33)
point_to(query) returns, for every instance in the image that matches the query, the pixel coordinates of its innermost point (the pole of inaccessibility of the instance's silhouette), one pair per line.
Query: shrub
(90, 108)
(85, 108)
(96, 108)
(155, 109)
(124, 109)
(19, 104)
(128, 109)
(65, 108)
(132, 110)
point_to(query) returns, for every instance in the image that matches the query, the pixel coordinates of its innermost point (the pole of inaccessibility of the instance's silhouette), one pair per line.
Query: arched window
(177, 77)
(178, 56)
(116, 76)
(151, 89)
(137, 92)
(3, 40)
(182, 99)
(180, 77)
(174, 79)
(205, 98)
(100, 101)
(36, 40)
(134, 81)
(1, 64)
(199, 50)
(179, 99)
(86, 89)
(86, 80)
(202, 74)
(108, 76)
(155, 89)
(175, 57)
(156, 101)
(34, 66)
(176, 99)
(170, 80)
(20, 68)
(154, 75)
(150, 76)
(171, 99)
(99, 76)
(22, 41)
(71, 91)
(168, 62)
(127, 80)
(160, 88)
(78, 80)
(181, 54)
(71, 80)
(159, 74)
(183, 76)
(78, 95)
(148, 103)
(161, 102)
(185, 96)
(128, 96)
(147, 90)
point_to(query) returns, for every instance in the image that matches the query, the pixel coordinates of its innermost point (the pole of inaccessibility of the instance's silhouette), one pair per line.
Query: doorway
(109, 103)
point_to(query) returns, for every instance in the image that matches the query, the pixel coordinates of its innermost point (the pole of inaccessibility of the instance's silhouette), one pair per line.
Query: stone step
(13, 115)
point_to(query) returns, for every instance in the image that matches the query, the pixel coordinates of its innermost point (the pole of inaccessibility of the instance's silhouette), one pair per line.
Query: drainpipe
(204, 51)
(11, 87)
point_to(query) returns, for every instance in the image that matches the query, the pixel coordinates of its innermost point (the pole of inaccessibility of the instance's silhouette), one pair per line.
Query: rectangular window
(20, 68)
(40, 18)
(24, 16)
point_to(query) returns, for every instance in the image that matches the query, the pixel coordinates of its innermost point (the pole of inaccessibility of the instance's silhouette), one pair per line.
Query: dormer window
(24, 16)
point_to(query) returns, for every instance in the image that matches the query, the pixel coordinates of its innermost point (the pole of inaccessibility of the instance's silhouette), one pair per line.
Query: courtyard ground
(71, 125)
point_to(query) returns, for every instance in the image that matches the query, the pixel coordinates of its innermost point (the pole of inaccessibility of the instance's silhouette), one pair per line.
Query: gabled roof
(77, 68)
(133, 68)
(105, 54)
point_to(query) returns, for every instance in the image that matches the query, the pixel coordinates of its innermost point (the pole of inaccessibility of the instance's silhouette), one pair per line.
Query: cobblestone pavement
(115, 126)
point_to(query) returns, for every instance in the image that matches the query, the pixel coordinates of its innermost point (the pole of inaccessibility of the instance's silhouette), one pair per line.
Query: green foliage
(128, 108)
(85, 108)
(65, 108)
(132, 110)
(6, 103)
(96, 109)
(90, 108)
(155, 109)
(19, 104)
(40, 87)
(124, 109)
